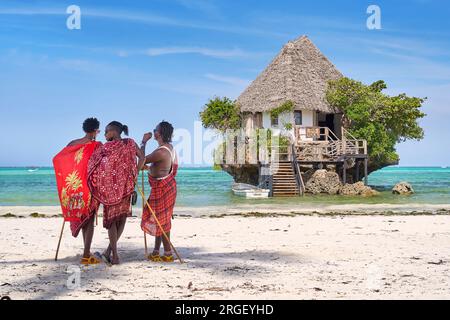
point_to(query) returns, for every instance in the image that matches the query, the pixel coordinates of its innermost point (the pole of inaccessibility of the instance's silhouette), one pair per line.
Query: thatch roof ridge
(299, 73)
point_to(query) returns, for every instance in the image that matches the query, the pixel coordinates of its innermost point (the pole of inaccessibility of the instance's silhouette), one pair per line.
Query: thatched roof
(300, 73)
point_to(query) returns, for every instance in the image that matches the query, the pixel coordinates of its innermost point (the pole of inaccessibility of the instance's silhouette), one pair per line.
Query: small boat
(33, 169)
(249, 191)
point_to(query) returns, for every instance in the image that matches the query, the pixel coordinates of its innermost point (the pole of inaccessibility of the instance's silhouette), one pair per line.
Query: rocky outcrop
(357, 189)
(243, 173)
(316, 181)
(403, 188)
(323, 181)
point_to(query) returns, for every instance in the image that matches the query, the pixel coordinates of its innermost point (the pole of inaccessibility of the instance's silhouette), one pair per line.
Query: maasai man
(78, 206)
(162, 172)
(111, 177)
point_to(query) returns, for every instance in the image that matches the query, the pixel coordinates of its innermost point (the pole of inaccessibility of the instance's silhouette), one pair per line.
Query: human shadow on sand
(52, 283)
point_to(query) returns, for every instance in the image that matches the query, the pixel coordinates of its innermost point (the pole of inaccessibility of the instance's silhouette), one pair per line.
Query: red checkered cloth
(162, 201)
(116, 212)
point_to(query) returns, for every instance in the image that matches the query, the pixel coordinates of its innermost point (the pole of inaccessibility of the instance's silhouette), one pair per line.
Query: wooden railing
(351, 144)
(310, 144)
(314, 134)
(321, 144)
(297, 171)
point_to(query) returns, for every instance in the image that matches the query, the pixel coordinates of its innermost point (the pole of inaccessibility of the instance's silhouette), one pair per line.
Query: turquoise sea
(199, 187)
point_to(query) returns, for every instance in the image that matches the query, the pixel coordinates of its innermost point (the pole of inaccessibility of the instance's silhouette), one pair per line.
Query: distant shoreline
(258, 210)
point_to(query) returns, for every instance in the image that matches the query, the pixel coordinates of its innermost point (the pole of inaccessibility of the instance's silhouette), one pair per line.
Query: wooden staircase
(284, 182)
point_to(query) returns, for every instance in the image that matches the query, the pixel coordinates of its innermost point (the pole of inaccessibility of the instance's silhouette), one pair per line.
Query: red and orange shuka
(71, 166)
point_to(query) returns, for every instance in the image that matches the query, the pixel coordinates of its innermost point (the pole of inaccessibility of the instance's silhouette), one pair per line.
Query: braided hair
(166, 131)
(120, 128)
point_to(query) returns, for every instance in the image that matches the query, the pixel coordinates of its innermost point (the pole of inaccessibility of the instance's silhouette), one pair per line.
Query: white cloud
(78, 65)
(196, 50)
(411, 47)
(234, 81)
(205, 6)
(32, 11)
(144, 18)
(412, 66)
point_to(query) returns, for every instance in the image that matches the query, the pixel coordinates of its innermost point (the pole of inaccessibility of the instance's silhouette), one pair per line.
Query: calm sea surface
(207, 187)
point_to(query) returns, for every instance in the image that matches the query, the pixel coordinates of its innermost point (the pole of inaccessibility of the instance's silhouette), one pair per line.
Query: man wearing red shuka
(77, 204)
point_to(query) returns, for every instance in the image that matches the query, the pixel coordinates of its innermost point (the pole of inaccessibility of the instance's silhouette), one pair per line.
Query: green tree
(287, 106)
(220, 114)
(380, 119)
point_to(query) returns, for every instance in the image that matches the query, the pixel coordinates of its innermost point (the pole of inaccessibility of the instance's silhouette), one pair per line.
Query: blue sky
(143, 61)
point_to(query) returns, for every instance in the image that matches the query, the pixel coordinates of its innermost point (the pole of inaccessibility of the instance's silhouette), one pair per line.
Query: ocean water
(198, 187)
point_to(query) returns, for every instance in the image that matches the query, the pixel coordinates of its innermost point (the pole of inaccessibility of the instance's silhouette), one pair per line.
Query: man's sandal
(90, 260)
(165, 258)
(154, 258)
(103, 257)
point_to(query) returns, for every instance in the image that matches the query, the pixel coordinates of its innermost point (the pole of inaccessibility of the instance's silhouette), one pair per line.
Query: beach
(291, 150)
(246, 255)
(311, 247)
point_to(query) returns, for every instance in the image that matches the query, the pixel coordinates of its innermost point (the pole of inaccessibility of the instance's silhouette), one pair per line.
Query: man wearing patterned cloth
(112, 176)
(162, 172)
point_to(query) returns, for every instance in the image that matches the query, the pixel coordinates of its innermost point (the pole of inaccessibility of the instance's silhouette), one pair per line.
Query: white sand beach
(284, 257)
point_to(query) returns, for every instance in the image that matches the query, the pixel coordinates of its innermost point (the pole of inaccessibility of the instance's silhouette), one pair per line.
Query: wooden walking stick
(145, 242)
(143, 207)
(59, 241)
(159, 225)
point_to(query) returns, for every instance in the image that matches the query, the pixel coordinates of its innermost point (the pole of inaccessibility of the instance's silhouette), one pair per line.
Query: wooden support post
(344, 175)
(357, 164)
(366, 178)
(271, 185)
(344, 144)
(143, 208)
(302, 184)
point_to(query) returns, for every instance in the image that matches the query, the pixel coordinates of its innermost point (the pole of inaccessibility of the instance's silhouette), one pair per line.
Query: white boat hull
(250, 192)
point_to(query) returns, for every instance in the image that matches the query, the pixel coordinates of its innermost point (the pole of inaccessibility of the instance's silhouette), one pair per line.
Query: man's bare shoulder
(167, 152)
(75, 142)
(159, 154)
